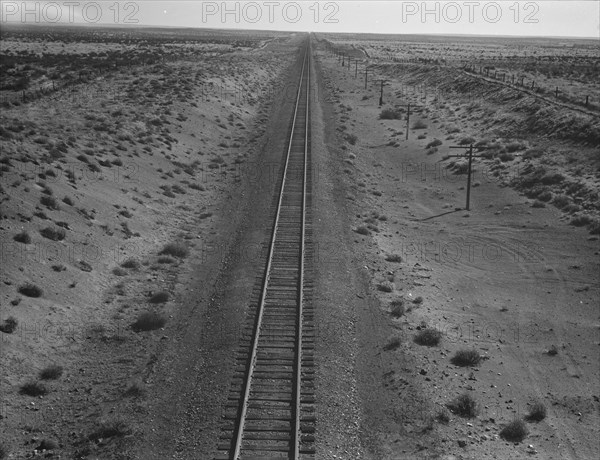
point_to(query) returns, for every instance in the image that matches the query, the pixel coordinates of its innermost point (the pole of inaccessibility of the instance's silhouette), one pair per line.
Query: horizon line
(163, 26)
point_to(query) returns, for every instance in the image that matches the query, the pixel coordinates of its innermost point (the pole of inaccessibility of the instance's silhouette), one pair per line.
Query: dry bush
(443, 416)
(505, 156)
(54, 234)
(131, 263)
(390, 114)
(433, 143)
(461, 167)
(537, 412)
(351, 138)
(533, 153)
(175, 249)
(9, 325)
(392, 343)
(160, 297)
(30, 290)
(397, 258)
(148, 321)
(397, 308)
(545, 196)
(33, 388)
(561, 201)
(50, 202)
(47, 444)
(51, 372)
(538, 204)
(515, 146)
(464, 405)
(110, 429)
(3, 451)
(515, 431)
(429, 337)
(135, 390)
(118, 271)
(419, 124)
(22, 237)
(581, 220)
(466, 358)
(385, 287)
(166, 260)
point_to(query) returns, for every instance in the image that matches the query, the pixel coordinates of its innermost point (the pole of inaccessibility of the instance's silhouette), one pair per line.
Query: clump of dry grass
(30, 290)
(464, 405)
(135, 390)
(175, 249)
(466, 358)
(9, 325)
(390, 114)
(3, 451)
(50, 202)
(397, 308)
(51, 372)
(515, 431)
(131, 263)
(110, 429)
(396, 258)
(118, 271)
(47, 444)
(429, 337)
(537, 412)
(148, 321)
(33, 388)
(159, 297)
(22, 237)
(54, 234)
(386, 286)
(443, 416)
(392, 343)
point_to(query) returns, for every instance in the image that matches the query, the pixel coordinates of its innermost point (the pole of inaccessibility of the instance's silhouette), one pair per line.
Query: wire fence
(514, 80)
(73, 85)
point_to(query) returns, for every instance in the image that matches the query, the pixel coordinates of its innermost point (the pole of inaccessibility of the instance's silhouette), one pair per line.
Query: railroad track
(270, 407)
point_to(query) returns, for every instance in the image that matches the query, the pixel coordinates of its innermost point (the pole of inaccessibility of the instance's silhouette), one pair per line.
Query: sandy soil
(513, 282)
(507, 280)
(144, 162)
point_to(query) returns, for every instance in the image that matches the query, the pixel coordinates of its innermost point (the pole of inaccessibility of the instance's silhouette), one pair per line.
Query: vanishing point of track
(270, 408)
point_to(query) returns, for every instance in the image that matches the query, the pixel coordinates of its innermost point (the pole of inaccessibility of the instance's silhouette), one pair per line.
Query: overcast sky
(574, 18)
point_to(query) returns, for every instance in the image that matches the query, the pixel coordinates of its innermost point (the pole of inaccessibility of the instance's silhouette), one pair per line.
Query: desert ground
(138, 169)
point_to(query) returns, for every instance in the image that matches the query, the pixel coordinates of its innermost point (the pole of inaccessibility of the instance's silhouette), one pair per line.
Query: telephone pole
(408, 106)
(470, 156)
(381, 93)
(366, 70)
